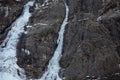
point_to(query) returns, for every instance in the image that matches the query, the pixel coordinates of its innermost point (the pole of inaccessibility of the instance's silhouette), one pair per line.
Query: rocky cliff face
(9, 11)
(91, 44)
(41, 39)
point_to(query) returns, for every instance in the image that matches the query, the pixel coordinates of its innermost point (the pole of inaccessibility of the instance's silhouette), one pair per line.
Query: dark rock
(41, 39)
(91, 45)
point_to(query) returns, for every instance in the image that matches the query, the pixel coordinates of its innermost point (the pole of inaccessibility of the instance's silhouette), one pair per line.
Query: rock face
(41, 39)
(91, 48)
(91, 40)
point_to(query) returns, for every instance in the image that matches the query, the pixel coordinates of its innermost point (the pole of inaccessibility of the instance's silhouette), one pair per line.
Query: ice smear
(9, 70)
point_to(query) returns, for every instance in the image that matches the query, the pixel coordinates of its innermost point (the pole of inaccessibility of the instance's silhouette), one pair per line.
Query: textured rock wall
(91, 44)
(90, 47)
(41, 39)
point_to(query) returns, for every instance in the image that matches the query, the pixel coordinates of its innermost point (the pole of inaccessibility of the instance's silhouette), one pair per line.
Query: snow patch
(18, 0)
(37, 6)
(117, 74)
(26, 51)
(25, 32)
(87, 76)
(99, 18)
(28, 26)
(46, 3)
(43, 24)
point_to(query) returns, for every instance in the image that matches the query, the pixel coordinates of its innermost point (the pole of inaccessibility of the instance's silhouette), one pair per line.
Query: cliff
(91, 46)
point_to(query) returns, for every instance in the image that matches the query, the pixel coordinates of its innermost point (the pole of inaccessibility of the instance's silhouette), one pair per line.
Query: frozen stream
(9, 70)
(53, 66)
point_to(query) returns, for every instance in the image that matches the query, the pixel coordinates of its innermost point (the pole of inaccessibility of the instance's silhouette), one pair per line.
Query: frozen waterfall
(53, 66)
(9, 70)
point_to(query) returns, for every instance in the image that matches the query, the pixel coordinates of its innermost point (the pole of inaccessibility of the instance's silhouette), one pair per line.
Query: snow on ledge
(28, 26)
(43, 24)
(26, 51)
(99, 18)
(25, 32)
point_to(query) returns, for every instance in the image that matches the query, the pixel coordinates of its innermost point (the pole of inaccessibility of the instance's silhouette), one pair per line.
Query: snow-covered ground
(53, 66)
(9, 70)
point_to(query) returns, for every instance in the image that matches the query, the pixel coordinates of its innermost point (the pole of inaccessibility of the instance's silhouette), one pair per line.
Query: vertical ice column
(9, 70)
(53, 66)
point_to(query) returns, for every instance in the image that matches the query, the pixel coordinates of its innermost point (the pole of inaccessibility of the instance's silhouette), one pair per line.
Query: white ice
(99, 18)
(9, 70)
(53, 66)
(46, 2)
(28, 26)
(26, 51)
(43, 24)
(25, 32)
(18, 0)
